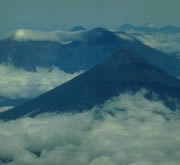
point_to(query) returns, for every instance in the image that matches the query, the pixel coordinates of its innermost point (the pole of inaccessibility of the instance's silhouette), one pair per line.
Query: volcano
(77, 51)
(125, 71)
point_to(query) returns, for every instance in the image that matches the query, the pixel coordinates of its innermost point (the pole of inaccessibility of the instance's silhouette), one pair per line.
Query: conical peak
(122, 72)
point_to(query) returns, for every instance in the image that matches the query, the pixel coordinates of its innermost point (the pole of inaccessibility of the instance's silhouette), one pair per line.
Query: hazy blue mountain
(170, 29)
(125, 71)
(77, 28)
(91, 48)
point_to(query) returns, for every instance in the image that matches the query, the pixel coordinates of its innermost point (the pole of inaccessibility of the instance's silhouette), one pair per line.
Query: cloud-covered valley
(17, 83)
(128, 129)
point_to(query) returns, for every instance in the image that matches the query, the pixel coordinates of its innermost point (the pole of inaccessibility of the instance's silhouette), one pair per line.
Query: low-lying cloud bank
(17, 83)
(127, 129)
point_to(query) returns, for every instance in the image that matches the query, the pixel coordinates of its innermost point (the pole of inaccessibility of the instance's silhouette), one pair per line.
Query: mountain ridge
(124, 71)
(93, 47)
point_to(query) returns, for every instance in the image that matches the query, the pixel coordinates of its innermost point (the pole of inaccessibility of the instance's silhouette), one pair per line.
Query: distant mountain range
(125, 71)
(150, 29)
(76, 51)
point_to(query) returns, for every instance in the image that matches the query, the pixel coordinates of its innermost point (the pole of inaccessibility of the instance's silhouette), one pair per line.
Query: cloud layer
(17, 83)
(145, 133)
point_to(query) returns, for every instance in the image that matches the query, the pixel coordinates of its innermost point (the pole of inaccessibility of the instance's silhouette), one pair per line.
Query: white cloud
(58, 36)
(147, 133)
(17, 83)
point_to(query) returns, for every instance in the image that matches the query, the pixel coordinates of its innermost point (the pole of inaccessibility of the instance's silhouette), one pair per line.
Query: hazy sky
(52, 14)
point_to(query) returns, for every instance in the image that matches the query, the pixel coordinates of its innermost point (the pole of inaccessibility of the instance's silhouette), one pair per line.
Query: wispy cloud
(128, 129)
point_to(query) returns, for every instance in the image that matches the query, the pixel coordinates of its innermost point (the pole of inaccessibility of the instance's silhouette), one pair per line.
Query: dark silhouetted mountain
(90, 49)
(125, 71)
(77, 28)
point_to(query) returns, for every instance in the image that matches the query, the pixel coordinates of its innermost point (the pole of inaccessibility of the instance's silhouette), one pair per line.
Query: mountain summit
(77, 50)
(125, 71)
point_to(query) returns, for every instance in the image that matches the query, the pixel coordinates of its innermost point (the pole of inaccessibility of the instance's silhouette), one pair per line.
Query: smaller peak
(77, 28)
(100, 29)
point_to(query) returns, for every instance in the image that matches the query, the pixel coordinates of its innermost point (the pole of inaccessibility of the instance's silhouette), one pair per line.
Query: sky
(55, 14)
